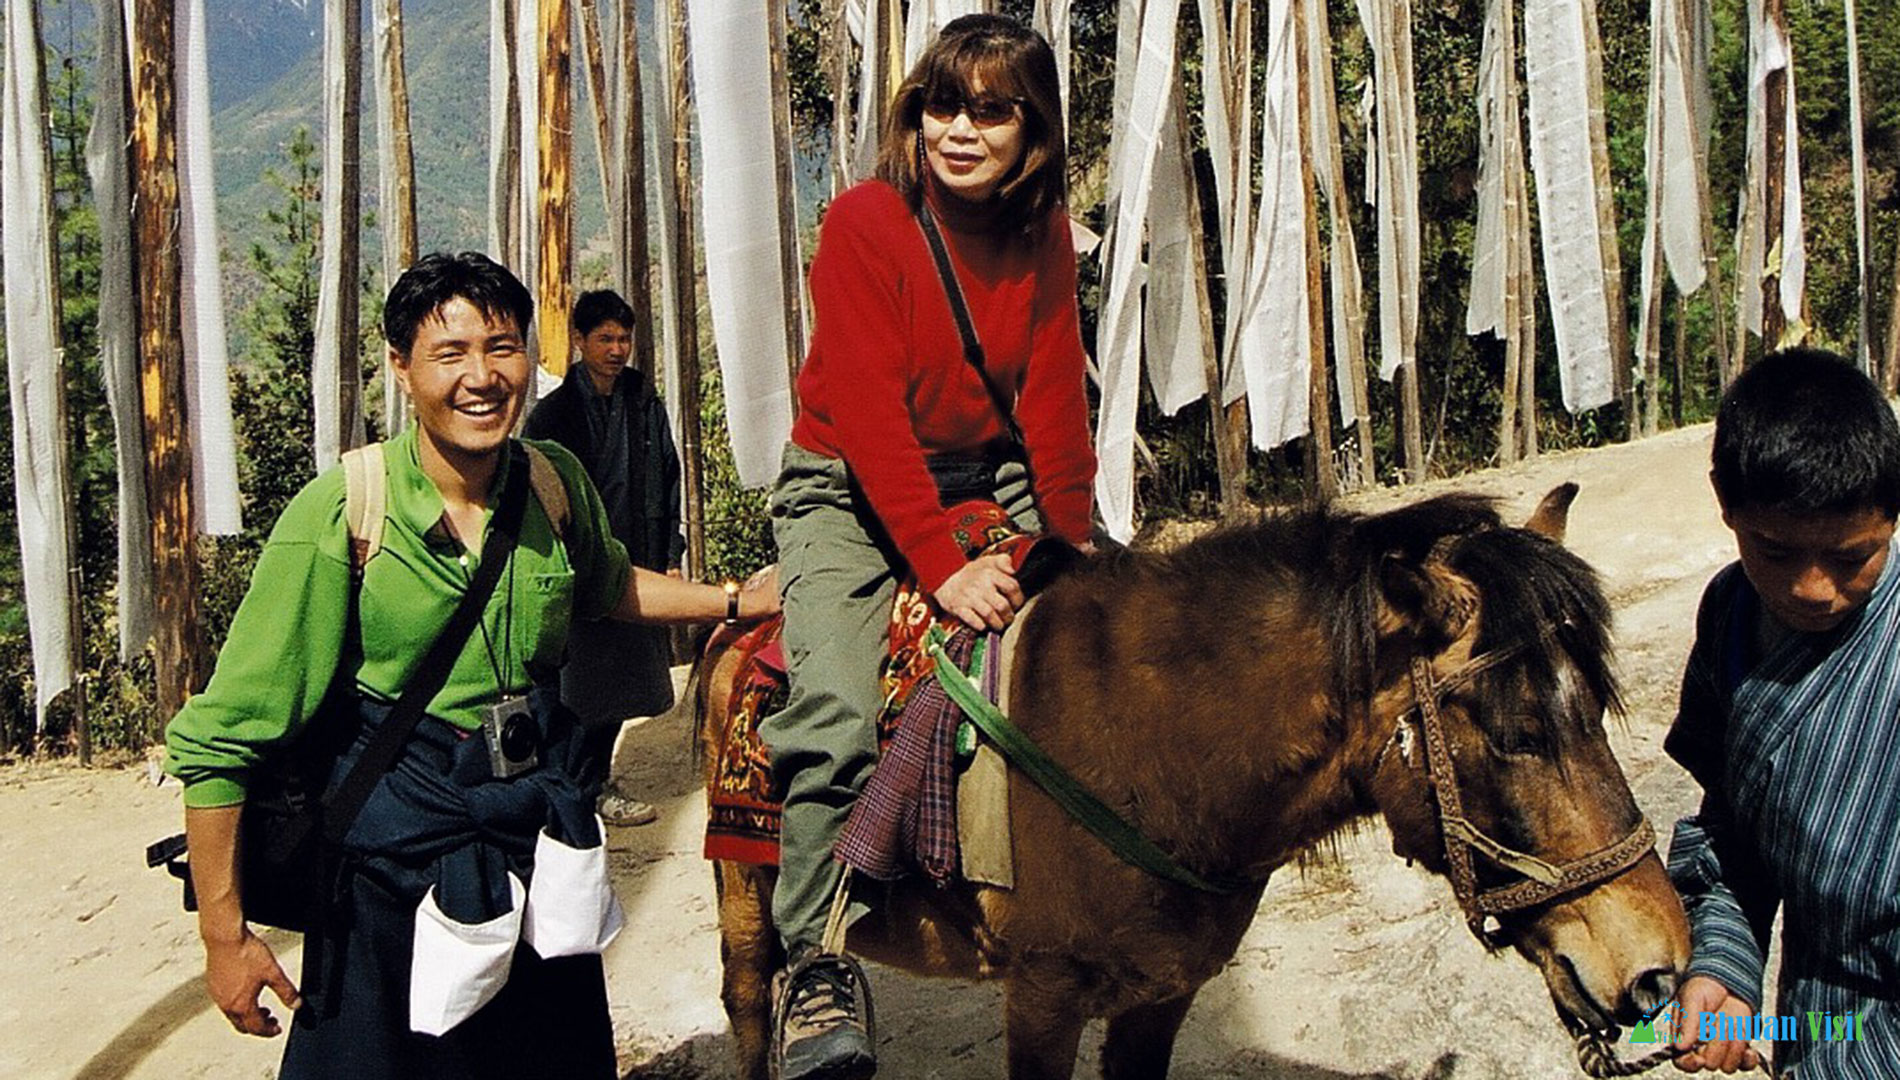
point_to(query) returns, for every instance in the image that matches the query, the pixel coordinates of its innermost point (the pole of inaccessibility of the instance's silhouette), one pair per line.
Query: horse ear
(1428, 600)
(1552, 515)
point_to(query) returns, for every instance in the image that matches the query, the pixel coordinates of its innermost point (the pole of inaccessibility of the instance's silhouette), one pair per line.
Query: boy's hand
(1699, 995)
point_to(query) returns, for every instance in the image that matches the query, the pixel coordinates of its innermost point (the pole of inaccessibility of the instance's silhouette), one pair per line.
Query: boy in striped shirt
(1788, 720)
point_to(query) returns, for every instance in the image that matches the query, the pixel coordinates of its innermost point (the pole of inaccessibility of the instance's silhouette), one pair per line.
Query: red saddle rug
(743, 809)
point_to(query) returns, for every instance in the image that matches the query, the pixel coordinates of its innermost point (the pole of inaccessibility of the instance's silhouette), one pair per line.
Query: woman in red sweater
(890, 412)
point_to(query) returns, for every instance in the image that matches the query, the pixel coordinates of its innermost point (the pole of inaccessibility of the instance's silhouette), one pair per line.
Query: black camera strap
(342, 805)
(966, 328)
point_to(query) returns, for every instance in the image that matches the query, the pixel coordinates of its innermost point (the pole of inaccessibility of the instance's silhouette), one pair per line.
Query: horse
(1240, 699)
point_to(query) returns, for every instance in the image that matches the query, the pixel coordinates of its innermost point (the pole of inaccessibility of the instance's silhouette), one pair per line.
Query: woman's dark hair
(438, 278)
(1012, 61)
(600, 306)
(1804, 431)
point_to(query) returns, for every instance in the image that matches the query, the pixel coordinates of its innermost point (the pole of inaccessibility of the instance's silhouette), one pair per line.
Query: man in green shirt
(456, 329)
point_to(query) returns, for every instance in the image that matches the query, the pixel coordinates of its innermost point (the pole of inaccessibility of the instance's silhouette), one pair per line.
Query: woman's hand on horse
(983, 594)
(1699, 995)
(759, 596)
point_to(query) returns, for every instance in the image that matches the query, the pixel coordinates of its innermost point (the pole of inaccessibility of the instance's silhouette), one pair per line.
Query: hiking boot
(824, 1027)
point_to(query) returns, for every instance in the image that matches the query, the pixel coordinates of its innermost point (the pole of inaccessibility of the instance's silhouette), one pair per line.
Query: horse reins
(1543, 881)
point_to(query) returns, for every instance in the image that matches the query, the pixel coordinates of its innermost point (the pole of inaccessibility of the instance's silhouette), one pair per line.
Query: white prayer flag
(732, 88)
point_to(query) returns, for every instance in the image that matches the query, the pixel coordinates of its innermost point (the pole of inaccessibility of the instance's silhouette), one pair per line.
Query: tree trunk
(790, 272)
(177, 644)
(555, 295)
(589, 16)
(686, 296)
(1319, 439)
(1774, 131)
(504, 135)
(1614, 297)
(397, 190)
(628, 220)
(1230, 469)
(336, 369)
(1350, 349)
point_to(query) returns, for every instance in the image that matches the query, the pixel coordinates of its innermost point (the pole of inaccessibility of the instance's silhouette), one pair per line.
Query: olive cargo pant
(839, 576)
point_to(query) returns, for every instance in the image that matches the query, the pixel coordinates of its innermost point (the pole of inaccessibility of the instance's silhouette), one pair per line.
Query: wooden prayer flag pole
(628, 219)
(686, 294)
(1774, 133)
(790, 272)
(1319, 439)
(177, 644)
(588, 14)
(555, 183)
(397, 189)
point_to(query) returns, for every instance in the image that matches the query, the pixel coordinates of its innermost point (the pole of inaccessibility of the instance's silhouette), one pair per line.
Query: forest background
(264, 58)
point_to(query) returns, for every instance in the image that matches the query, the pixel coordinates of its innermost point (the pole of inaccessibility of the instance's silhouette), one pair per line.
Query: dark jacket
(653, 536)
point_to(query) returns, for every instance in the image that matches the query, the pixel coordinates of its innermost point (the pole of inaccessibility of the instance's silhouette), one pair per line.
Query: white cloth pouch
(459, 967)
(572, 910)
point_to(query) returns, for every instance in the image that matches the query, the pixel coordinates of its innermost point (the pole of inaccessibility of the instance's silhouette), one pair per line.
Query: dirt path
(1358, 970)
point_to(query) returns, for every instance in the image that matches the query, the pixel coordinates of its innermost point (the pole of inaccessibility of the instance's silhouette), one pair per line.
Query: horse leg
(1141, 1041)
(1041, 1027)
(749, 955)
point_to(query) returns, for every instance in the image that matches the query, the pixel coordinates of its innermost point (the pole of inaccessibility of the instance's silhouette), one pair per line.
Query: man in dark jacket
(607, 413)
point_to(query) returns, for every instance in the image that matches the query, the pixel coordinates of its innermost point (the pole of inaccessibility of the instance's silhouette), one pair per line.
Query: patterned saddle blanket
(913, 806)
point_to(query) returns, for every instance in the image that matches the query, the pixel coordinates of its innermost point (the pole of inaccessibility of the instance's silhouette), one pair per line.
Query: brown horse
(1240, 699)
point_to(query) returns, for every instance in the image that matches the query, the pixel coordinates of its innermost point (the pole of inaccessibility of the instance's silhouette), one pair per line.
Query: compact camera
(513, 737)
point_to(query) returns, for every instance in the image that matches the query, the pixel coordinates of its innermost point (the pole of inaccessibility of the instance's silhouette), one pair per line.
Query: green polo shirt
(288, 638)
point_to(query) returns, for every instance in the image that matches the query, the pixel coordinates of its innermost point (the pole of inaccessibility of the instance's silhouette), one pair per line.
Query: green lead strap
(1094, 815)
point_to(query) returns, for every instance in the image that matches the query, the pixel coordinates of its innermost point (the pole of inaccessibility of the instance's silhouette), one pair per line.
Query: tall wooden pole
(336, 366)
(397, 191)
(628, 221)
(1619, 328)
(1516, 223)
(841, 111)
(1319, 439)
(1230, 431)
(1349, 350)
(686, 295)
(1232, 483)
(504, 133)
(790, 272)
(1774, 133)
(177, 644)
(1524, 274)
(589, 16)
(555, 133)
(1893, 331)
(1863, 269)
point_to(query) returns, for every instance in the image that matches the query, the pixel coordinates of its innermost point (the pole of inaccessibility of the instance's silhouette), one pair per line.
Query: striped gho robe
(1795, 739)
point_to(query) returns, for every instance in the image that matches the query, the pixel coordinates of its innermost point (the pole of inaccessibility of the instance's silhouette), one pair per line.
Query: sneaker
(617, 809)
(824, 1024)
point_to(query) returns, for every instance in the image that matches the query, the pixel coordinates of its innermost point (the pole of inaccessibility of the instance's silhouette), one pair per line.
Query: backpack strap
(365, 503)
(366, 498)
(549, 489)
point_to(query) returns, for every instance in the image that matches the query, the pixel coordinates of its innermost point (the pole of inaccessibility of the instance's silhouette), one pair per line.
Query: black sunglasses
(983, 111)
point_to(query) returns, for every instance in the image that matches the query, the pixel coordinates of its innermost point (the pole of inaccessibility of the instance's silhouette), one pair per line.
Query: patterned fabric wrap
(907, 815)
(743, 823)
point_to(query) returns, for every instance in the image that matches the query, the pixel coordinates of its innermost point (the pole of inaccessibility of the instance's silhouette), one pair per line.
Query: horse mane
(1532, 589)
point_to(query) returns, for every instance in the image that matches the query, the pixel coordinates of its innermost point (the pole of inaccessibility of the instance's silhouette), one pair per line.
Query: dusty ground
(1360, 970)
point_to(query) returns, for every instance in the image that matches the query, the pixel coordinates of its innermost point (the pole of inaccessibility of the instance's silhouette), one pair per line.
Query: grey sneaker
(617, 809)
(825, 1029)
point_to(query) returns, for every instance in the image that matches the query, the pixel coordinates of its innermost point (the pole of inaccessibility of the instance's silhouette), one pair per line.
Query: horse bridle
(1543, 881)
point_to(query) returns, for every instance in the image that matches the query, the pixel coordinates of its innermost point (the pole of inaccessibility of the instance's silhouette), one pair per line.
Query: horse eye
(1521, 737)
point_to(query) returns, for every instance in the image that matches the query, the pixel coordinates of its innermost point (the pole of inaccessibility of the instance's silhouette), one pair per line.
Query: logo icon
(1659, 1025)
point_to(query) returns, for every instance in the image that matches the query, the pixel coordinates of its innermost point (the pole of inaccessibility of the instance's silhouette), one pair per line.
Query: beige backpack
(366, 498)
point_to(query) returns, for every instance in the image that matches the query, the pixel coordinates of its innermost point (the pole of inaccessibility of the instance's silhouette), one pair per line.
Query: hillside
(266, 83)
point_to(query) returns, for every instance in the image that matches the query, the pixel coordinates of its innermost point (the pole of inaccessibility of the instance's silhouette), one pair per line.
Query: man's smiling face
(467, 375)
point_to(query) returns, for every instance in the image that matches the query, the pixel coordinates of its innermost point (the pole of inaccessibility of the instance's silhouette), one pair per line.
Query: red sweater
(886, 382)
